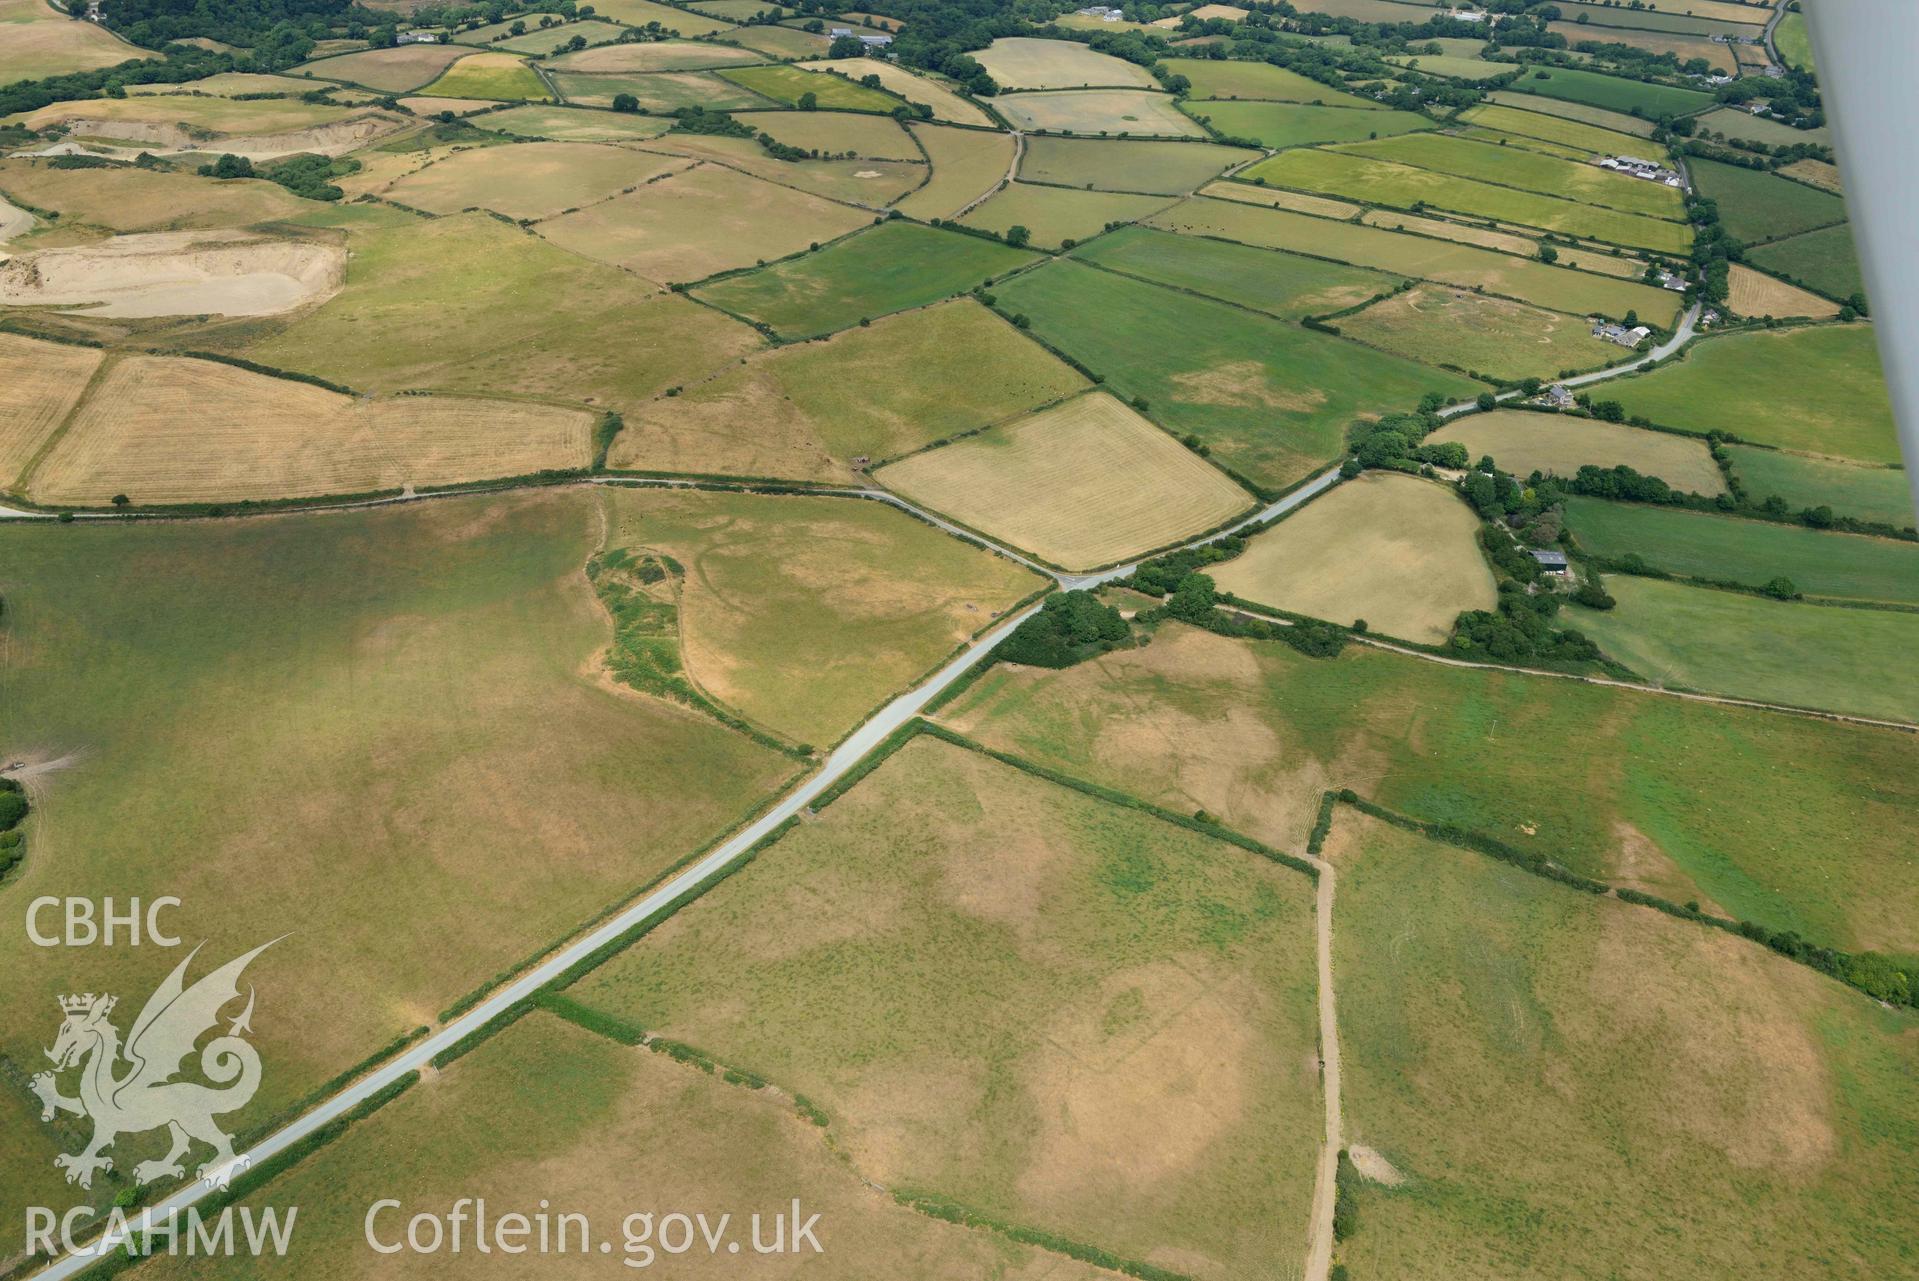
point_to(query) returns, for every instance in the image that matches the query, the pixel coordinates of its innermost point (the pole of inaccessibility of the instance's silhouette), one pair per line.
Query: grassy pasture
(1585, 113)
(499, 76)
(1715, 16)
(664, 55)
(224, 116)
(1453, 66)
(1682, 45)
(805, 614)
(531, 180)
(1292, 124)
(1825, 259)
(1757, 206)
(1396, 551)
(245, 692)
(167, 430)
(37, 42)
(1080, 485)
(565, 124)
(833, 132)
(948, 106)
(1280, 284)
(1520, 142)
(790, 84)
(967, 163)
(1793, 41)
(638, 13)
(1402, 186)
(807, 410)
(1055, 215)
(1447, 325)
(1096, 982)
(146, 199)
(1566, 1052)
(228, 84)
(703, 220)
(1754, 293)
(886, 269)
(1743, 126)
(1590, 139)
(1832, 658)
(1814, 389)
(779, 42)
(1262, 82)
(734, 10)
(390, 70)
(872, 184)
(542, 41)
(1505, 242)
(1754, 552)
(662, 92)
(1269, 398)
(493, 32)
(1018, 62)
(1613, 93)
(1465, 265)
(1159, 168)
(40, 383)
(1280, 198)
(1744, 809)
(1098, 111)
(1869, 493)
(1522, 443)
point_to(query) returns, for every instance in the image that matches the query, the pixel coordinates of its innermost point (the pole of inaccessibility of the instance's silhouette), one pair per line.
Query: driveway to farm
(1688, 325)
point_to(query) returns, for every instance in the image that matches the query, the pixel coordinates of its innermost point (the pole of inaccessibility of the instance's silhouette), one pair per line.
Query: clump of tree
(1515, 517)
(13, 808)
(305, 175)
(1069, 628)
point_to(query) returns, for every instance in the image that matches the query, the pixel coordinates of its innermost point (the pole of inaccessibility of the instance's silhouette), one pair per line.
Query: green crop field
(660, 91)
(1522, 443)
(1822, 656)
(1093, 981)
(498, 76)
(1867, 493)
(1582, 112)
(1261, 81)
(1555, 288)
(1292, 124)
(1446, 325)
(1590, 139)
(1611, 92)
(1817, 389)
(1281, 284)
(1825, 260)
(1753, 552)
(1562, 1053)
(1531, 170)
(887, 269)
(1057, 215)
(1403, 186)
(1269, 398)
(1159, 168)
(1757, 206)
(790, 84)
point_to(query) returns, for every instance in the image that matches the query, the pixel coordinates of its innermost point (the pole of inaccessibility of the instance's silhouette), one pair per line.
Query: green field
(1452, 66)
(1292, 124)
(1757, 206)
(1446, 325)
(1867, 493)
(1825, 260)
(1800, 823)
(544, 41)
(1270, 399)
(1817, 389)
(1056, 216)
(1531, 170)
(1753, 552)
(1741, 125)
(1823, 656)
(1571, 1078)
(660, 91)
(1158, 168)
(996, 986)
(1260, 81)
(790, 84)
(1611, 92)
(1590, 139)
(887, 269)
(489, 75)
(1403, 186)
(1281, 284)
(574, 125)
(1793, 41)
(1579, 111)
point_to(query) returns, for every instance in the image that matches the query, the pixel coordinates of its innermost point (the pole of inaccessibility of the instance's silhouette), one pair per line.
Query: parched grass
(1754, 552)
(663, 55)
(499, 76)
(1534, 171)
(1614, 93)
(886, 269)
(249, 695)
(1554, 288)
(1262, 82)
(662, 92)
(1568, 1051)
(1868, 493)
(1824, 259)
(1403, 186)
(1522, 443)
(1753, 293)
(1281, 284)
(967, 163)
(1816, 389)
(1397, 551)
(1093, 982)
(1832, 658)
(229, 84)
(790, 84)
(146, 199)
(1714, 16)
(1270, 399)
(1453, 66)
(1098, 111)
(1685, 46)
(201, 116)
(703, 220)
(166, 430)
(1279, 198)
(1057, 215)
(40, 383)
(1817, 172)
(1160, 168)
(1520, 142)
(1292, 124)
(1019, 62)
(391, 70)
(37, 42)
(531, 180)
(808, 410)
(805, 614)
(779, 42)
(542, 41)
(1454, 327)
(833, 132)
(1582, 112)
(639, 13)
(1758, 206)
(1798, 823)
(948, 106)
(1083, 484)
(506, 312)
(1743, 126)
(565, 124)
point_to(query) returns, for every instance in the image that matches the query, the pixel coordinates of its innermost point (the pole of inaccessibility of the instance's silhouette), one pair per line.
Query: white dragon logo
(147, 1096)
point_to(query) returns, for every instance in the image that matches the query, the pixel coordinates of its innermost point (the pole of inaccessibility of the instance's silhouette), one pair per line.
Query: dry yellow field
(40, 382)
(1816, 172)
(163, 429)
(1506, 241)
(530, 179)
(690, 225)
(1083, 484)
(1275, 198)
(1754, 293)
(1397, 551)
(1523, 443)
(946, 104)
(967, 164)
(36, 42)
(833, 133)
(145, 199)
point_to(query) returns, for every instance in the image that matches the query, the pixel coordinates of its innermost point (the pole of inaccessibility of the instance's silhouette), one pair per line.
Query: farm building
(1634, 167)
(416, 37)
(1552, 562)
(1105, 13)
(1620, 334)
